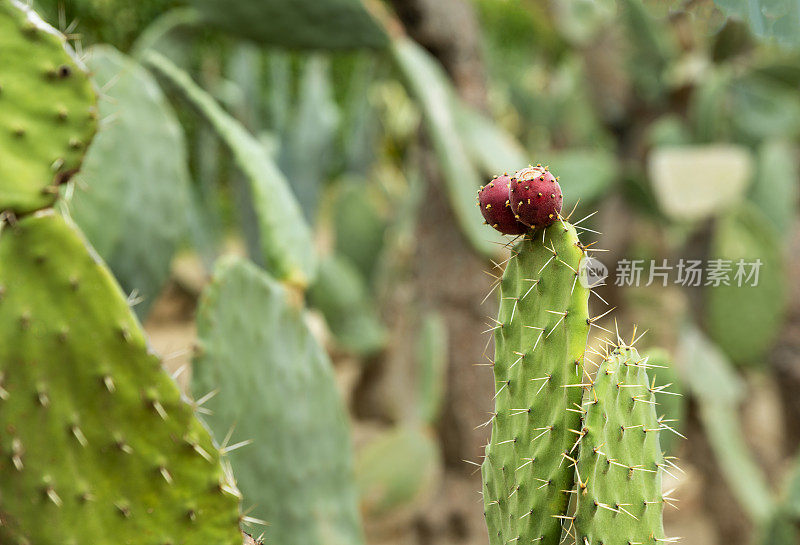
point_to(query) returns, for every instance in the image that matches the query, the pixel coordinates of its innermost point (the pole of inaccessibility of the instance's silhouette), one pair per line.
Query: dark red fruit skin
(535, 197)
(496, 209)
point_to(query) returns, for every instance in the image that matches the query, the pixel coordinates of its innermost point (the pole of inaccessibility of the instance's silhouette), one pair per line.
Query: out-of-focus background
(677, 122)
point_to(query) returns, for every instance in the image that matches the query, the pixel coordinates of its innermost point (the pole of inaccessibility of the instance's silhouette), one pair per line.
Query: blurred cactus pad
(273, 387)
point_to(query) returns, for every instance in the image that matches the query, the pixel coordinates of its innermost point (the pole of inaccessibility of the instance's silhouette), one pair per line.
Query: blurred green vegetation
(321, 133)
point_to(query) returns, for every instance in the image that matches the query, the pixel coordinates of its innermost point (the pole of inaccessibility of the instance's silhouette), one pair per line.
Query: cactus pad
(132, 192)
(396, 471)
(275, 386)
(540, 340)
(47, 110)
(97, 445)
(618, 472)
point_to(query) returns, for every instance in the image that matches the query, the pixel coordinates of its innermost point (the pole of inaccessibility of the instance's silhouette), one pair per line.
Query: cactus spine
(540, 340)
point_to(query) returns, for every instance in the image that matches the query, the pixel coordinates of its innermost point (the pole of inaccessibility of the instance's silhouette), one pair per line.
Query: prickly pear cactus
(97, 444)
(47, 110)
(618, 470)
(131, 195)
(275, 387)
(540, 340)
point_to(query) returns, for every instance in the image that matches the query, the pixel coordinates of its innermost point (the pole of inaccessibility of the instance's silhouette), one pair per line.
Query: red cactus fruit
(535, 196)
(496, 210)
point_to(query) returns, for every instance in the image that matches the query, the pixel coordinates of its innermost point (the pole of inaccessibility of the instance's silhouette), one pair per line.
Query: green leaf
(286, 239)
(764, 108)
(341, 295)
(496, 151)
(718, 390)
(359, 223)
(316, 24)
(132, 193)
(429, 85)
(775, 190)
(745, 320)
(432, 358)
(308, 146)
(772, 20)
(584, 175)
(397, 470)
(275, 387)
(714, 176)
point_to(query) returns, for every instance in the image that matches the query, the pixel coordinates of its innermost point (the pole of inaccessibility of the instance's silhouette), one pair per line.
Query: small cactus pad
(397, 470)
(496, 209)
(275, 387)
(47, 110)
(540, 340)
(535, 196)
(618, 471)
(97, 445)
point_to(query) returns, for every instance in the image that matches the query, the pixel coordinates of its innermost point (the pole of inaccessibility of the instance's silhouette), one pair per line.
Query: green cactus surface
(284, 235)
(98, 446)
(619, 466)
(275, 387)
(340, 294)
(131, 195)
(397, 470)
(432, 358)
(47, 110)
(540, 340)
(325, 24)
(745, 320)
(671, 408)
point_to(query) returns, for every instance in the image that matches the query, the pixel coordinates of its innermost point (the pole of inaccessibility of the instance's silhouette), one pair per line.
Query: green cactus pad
(285, 236)
(340, 294)
(745, 320)
(432, 359)
(47, 110)
(618, 472)
(275, 386)
(97, 445)
(540, 342)
(325, 24)
(132, 192)
(397, 470)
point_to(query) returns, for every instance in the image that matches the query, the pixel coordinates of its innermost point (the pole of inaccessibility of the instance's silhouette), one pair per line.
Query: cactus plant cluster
(570, 454)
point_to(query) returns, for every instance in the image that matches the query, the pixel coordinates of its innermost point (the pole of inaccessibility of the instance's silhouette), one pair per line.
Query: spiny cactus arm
(275, 387)
(286, 239)
(47, 110)
(540, 340)
(98, 445)
(620, 463)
